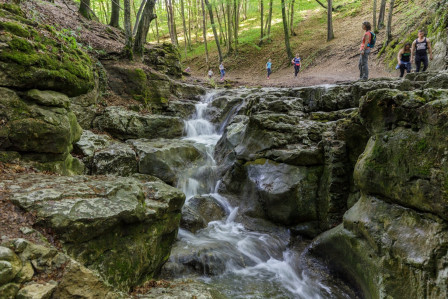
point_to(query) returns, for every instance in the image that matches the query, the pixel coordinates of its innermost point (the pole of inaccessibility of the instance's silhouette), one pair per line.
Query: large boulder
(392, 242)
(124, 124)
(199, 211)
(41, 58)
(165, 158)
(116, 159)
(122, 228)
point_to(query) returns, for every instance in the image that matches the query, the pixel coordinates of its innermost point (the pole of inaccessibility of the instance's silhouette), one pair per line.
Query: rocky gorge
(336, 191)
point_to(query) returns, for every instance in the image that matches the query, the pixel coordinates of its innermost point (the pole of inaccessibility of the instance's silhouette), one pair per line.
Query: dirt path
(327, 62)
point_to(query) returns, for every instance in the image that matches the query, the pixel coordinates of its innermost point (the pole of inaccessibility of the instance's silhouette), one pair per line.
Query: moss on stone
(43, 61)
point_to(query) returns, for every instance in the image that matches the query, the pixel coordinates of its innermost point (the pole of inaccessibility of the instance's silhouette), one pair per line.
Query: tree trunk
(261, 22)
(270, 19)
(291, 26)
(173, 21)
(128, 29)
(330, 34)
(139, 15)
(184, 25)
(236, 14)
(222, 35)
(143, 27)
(85, 10)
(215, 33)
(389, 23)
(196, 4)
(189, 24)
(115, 16)
(374, 16)
(382, 14)
(204, 31)
(229, 28)
(157, 29)
(285, 29)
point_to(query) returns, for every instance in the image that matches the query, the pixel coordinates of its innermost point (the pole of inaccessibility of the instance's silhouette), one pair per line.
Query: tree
(261, 21)
(186, 41)
(85, 10)
(389, 23)
(215, 33)
(330, 34)
(128, 29)
(236, 14)
(291, 26)
(115, 15)
(143, 26)
(285, 29)
(204, 31)
(374, 16)
(269, 19)
(229, 27)
(382, 14)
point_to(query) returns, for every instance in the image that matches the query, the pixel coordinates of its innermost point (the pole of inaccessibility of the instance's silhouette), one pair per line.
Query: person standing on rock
(420, 47)
(269, 68)
(296, 61)
(404, 59)
(210, 73)
(366, 46)
(222, 70)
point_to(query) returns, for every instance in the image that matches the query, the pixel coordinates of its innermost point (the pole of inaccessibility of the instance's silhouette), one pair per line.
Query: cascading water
(250, 264)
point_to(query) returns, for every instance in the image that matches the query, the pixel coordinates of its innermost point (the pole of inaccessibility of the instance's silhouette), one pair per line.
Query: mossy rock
(40, 58)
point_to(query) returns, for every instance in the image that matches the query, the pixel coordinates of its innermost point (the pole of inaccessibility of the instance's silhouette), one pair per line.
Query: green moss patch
(42, 58)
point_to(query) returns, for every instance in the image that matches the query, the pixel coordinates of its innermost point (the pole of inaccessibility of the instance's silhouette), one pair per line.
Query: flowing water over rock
(239, 262)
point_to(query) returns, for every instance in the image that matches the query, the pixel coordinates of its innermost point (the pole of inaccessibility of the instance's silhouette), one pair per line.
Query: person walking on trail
(210, 73)
(368, 41)
(420, 47)
(269, 68)
(222, 70)
(296, 62)
(404, 59)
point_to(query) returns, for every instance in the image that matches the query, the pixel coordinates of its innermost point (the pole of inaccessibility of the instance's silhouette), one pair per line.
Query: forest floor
(323, 62)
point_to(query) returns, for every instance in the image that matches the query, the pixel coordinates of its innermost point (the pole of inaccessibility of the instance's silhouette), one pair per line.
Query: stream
(239, 262)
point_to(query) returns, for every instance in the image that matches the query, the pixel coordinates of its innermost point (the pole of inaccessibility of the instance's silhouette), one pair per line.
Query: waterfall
(256, 264)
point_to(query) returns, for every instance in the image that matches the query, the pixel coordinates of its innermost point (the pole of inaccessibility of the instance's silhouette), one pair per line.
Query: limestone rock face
(37, 291)
(121, 227)
(392, 242)
(124, 124)
(164, 158)
(117, 158)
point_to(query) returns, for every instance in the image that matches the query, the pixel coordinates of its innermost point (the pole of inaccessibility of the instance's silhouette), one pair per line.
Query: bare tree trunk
(85, 10)
(374, 16)
(128, 29)
(115, 16)
(196, 4)
(321, 4)
(382, 14)
(270, 19)
(229, 28)
(143, 27)
(389, 23)
(222, 35)
(285, 29)
(215, 33)
(261, 22)
(330, 34)
(236, 13)
(103, 12)
(157, 29)
(173, 21)
(204, 31)
(189, 24)
(186, 42)
(139, 14)
(291, 26)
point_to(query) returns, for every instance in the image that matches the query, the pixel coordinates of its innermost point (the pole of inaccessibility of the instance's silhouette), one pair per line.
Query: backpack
(372, 40)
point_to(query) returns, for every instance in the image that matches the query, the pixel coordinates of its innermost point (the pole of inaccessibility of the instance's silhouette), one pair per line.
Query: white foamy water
(257, 265)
